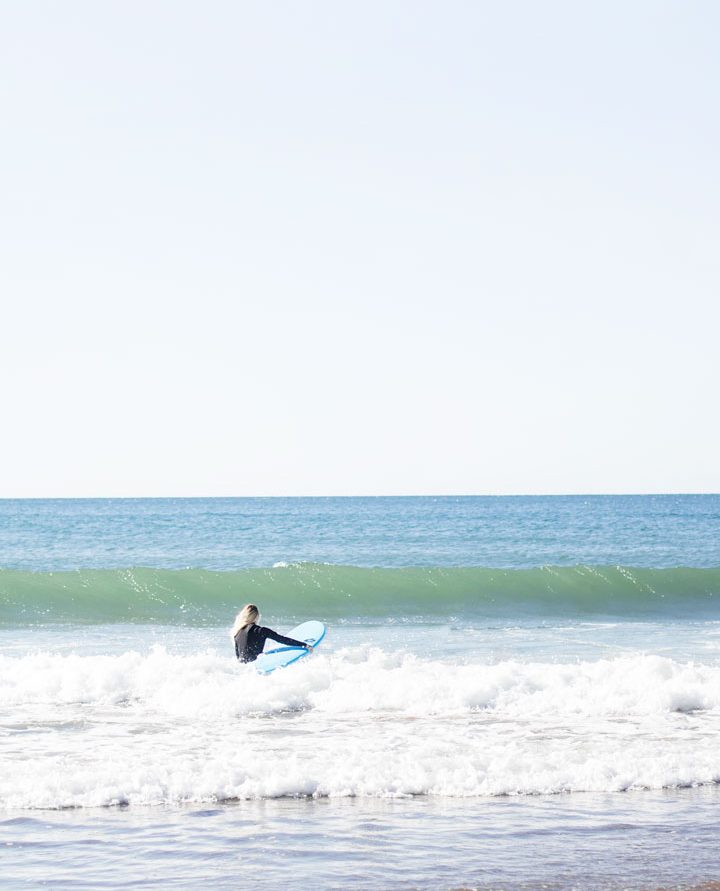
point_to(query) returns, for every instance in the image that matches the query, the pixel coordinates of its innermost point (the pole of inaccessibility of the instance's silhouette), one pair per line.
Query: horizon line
(355, 496)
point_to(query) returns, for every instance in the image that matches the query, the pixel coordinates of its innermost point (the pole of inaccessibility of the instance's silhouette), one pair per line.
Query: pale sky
(340, 248)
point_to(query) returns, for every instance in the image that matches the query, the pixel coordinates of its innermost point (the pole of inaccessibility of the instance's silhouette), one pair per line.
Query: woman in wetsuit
(250, 638)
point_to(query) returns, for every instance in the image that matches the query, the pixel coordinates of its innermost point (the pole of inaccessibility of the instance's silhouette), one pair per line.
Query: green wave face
(332, 593)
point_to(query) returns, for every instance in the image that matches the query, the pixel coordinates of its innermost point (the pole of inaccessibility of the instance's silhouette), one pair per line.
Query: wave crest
(201, 597)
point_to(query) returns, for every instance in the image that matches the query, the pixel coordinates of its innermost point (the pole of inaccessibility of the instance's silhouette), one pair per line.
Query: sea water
(512, 692)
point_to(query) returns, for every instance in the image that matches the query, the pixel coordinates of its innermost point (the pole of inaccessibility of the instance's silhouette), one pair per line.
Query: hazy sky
(283, 248)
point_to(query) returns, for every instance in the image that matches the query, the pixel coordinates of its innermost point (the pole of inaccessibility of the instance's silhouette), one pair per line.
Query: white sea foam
(157, 727)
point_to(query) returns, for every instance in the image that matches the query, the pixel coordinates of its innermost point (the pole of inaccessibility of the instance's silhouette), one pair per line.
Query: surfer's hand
(309, 648)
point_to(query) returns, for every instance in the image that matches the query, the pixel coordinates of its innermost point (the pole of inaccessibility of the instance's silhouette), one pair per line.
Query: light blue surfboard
(281, 656)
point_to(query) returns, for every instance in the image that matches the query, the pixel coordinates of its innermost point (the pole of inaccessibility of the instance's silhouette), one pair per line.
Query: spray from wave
(160, 728)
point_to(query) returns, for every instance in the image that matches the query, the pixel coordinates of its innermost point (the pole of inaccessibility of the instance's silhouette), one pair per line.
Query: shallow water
(611, 841)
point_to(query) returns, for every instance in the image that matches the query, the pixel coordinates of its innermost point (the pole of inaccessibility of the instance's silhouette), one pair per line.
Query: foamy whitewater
(518, 660)
(159, 728)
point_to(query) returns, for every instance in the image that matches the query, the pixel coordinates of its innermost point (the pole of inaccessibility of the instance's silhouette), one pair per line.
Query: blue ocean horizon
(511, 531)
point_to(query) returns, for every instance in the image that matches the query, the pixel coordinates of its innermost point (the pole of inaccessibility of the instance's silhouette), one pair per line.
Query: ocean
(514, 692)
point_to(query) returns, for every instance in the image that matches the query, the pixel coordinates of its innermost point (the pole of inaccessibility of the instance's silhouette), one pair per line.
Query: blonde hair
(248, 615)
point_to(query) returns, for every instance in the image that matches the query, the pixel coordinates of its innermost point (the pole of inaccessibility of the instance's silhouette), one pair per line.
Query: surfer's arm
(288, 641)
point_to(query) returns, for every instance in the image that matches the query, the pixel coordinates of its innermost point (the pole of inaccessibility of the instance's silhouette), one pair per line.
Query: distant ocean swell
(201, 597)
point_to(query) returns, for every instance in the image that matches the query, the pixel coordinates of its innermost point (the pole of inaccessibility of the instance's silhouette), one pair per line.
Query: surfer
(250, 638)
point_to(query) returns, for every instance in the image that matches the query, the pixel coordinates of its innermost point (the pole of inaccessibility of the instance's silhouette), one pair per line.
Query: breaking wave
(201, 597)
(160, 728)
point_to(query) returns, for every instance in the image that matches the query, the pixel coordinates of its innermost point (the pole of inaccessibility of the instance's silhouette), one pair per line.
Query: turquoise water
(512, 691)
(355, 594)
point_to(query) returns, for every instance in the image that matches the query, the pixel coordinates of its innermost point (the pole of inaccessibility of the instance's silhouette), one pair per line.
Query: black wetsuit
(250, 640)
